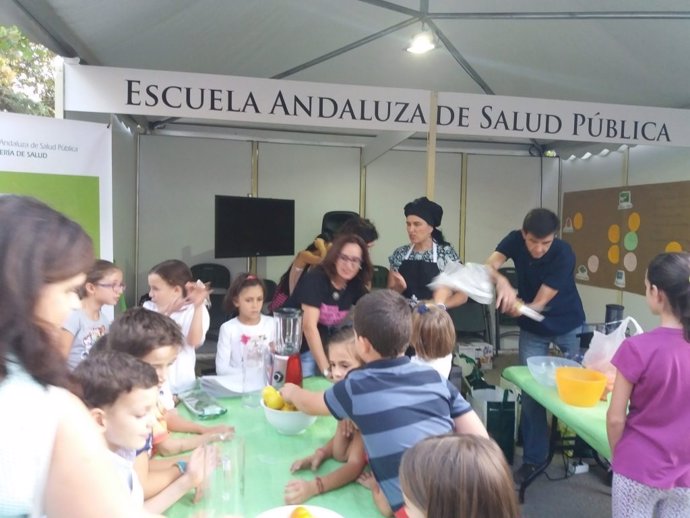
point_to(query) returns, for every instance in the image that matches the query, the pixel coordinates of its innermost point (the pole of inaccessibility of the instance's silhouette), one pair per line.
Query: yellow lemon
(272, 398)
(289, 407)
(301, 512)
(268, 389)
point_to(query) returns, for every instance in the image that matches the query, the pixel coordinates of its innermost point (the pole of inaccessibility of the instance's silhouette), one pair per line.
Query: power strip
(576, 468)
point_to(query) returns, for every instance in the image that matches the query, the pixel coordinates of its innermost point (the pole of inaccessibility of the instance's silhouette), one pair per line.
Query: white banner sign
(270, 101)
(39, 155)
(502, 116)
(32, 144)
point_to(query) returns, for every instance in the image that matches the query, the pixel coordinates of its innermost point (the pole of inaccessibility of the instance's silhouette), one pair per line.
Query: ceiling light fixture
(422, 42)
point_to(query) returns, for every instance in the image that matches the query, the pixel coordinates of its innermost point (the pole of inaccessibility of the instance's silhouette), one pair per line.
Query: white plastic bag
(603, 347)
(471, 278)
(475, 281)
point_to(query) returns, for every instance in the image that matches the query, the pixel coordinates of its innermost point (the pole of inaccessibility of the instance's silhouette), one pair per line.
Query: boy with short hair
(121, 393)
(156, 339)
(395, 403)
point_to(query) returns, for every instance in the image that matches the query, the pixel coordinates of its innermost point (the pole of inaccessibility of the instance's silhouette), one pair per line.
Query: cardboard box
(481, 352)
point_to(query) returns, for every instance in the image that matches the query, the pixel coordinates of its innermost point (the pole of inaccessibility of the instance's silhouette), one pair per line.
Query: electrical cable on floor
(565, 465)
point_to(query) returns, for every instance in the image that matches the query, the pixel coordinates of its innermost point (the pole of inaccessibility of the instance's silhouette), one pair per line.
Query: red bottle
(293, 371)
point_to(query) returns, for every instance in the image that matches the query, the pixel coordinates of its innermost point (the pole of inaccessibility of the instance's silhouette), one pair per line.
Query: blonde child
(85, 325)
(457, 476)
(433, 337)
(174, 293)
(345, 446)
(250, 328)
(156, 339)
(649, 415)
(121, 393)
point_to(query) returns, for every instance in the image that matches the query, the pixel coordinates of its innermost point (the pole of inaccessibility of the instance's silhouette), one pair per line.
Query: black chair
(218, 277)
(216, 274)
(333, 220)
(217, 315)
(471, 321)
(380, 278)
(504, 320)
(271, 287)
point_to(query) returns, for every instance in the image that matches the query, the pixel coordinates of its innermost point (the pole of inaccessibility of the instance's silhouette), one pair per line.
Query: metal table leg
(554, 441)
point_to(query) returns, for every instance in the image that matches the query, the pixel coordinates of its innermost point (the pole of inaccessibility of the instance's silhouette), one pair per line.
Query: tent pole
(251, 261)
(463, 206)
(431, 147)
(59, 101)
(362, 188)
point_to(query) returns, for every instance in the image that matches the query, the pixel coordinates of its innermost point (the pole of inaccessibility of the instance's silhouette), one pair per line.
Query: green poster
(75, 196)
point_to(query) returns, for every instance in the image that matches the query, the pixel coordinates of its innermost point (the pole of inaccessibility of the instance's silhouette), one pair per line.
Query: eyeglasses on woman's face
(355, 261)
(112, 286)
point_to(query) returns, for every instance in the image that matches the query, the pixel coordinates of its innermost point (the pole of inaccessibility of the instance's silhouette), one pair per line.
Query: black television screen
(248, 227)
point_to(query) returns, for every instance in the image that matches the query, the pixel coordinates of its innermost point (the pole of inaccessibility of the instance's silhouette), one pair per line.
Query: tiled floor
(500, 362)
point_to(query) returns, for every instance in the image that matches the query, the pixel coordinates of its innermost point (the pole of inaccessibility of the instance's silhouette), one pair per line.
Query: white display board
(67, 164)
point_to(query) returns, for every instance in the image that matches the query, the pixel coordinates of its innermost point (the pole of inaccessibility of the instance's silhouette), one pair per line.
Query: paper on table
(227, 385)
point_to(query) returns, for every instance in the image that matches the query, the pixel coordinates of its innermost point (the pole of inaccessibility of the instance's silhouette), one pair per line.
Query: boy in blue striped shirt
(395, 403)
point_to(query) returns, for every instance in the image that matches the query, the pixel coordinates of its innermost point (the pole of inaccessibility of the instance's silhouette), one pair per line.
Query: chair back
(380, 278)
(471, 320)
(271, 287)
(502, 319)
(509, 273)
(217, 275)
(333, 220)
(217, 314)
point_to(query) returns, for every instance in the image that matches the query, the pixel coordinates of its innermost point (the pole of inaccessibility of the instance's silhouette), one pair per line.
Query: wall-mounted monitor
(251, 227)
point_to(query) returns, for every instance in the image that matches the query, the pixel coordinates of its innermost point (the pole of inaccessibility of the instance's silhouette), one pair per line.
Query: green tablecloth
(588, 423)
(268, 456)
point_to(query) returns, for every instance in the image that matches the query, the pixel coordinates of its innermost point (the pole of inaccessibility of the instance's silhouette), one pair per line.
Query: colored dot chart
(615, 232)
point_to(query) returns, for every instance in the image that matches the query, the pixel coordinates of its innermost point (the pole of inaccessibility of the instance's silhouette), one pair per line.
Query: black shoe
(524, 472)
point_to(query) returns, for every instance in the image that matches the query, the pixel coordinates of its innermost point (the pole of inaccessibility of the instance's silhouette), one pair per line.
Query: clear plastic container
(253, 373)
(201, 404)
(543, 368)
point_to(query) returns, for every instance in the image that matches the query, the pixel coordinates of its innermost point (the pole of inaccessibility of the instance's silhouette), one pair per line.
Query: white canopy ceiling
(610, 51)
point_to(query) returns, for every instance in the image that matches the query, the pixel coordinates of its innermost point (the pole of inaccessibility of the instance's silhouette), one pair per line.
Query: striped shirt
(395, 403)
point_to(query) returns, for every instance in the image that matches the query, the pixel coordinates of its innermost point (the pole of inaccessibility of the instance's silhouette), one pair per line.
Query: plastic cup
(225, 486)
(253, 374)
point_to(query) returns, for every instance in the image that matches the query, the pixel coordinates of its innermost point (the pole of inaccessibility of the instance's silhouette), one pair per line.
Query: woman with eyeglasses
(314, 254)
(85, 325)
(414, 265)
(326, 294)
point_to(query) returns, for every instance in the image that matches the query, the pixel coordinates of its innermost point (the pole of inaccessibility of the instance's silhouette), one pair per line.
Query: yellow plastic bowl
(580, 387)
